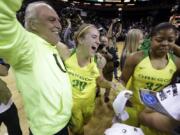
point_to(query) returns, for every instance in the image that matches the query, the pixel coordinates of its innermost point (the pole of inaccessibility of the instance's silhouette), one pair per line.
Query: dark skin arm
(176, 49)
(130, 65)
(177, 62)
(128, 70)
(177, 73)
(156, 120)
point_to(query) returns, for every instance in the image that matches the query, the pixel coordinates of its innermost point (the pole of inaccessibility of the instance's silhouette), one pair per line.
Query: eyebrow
(170, 36)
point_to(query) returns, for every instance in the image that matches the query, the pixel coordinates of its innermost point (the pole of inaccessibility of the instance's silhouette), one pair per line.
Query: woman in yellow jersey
(84, 75)
(152, 69)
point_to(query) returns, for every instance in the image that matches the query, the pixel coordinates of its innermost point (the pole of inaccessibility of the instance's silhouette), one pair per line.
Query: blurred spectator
(8, 110)
(133, 41)
(67, 36)
(109, 67)
(114, 28)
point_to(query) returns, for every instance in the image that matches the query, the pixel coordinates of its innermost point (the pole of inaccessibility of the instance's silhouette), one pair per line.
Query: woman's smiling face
(162, 41)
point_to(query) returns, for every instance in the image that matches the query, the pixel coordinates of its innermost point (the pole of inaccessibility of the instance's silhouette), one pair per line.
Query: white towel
(123, 129)
(119, 104)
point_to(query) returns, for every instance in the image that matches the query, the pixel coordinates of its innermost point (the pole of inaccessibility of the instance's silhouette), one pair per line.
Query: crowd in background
(80, 35)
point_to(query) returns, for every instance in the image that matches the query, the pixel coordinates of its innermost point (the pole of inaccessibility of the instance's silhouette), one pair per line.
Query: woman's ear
(80, 40)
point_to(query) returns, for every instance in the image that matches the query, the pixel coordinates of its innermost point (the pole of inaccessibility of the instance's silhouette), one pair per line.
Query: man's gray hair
(31, 12)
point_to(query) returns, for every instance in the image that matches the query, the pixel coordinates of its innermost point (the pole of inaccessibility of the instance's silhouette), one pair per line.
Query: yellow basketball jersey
(83, 79)
(145, 76)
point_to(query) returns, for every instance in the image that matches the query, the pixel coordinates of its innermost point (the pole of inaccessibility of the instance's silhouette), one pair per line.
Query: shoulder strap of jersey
(172, 56)
(146, 53)
(73, 51)
(95, 58)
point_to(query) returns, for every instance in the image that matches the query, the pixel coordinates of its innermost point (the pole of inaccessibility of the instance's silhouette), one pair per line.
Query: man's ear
(32, 24)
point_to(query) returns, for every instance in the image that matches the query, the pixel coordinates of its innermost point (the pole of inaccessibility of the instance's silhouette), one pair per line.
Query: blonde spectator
(132, 42)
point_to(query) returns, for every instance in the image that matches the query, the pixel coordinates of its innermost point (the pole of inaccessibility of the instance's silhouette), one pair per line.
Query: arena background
(129, 12)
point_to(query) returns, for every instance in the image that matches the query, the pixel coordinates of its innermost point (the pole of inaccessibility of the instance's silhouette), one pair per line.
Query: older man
(40, 73)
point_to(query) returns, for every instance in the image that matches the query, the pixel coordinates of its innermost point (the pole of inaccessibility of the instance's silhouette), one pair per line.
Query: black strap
(59, 65)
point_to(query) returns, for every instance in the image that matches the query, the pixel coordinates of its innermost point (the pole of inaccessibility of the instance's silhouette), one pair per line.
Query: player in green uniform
(152, 69)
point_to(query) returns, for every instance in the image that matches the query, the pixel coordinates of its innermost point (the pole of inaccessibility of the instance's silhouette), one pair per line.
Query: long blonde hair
(132, 42)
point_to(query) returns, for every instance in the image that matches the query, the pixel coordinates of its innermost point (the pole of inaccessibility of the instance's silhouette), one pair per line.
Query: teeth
(56, 32)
